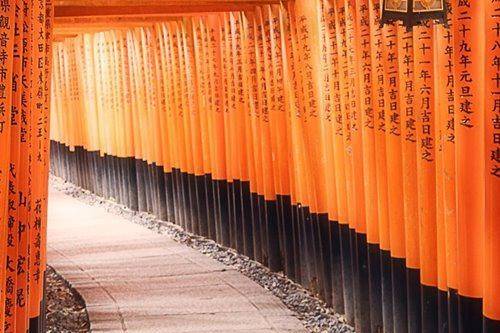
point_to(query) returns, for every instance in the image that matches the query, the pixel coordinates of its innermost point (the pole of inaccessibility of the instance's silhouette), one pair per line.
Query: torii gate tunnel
(362, 160)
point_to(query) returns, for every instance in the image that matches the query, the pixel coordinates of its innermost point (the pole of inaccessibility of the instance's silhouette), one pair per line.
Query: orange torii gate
(360, 160)
(25, 73)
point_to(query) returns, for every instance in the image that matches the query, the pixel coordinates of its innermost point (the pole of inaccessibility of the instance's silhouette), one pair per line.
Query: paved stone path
(134, 280)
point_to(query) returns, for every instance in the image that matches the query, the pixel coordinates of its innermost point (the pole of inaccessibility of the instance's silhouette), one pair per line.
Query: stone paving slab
(134, 280)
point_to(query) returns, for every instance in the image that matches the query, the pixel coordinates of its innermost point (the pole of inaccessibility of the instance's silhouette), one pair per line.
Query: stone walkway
(134, 280)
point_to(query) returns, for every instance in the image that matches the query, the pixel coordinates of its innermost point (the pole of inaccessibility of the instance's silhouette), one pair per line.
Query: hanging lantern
(413, 12)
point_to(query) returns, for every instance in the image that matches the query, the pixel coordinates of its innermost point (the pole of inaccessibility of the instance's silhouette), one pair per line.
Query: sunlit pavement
(134, 280)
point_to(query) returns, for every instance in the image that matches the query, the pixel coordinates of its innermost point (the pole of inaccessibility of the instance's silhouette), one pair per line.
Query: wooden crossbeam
(62, 37)
(63, 31)
(89, 24)
(71, 8)
(64, 26)
(145, 3)
(111, 20)
(83, 16)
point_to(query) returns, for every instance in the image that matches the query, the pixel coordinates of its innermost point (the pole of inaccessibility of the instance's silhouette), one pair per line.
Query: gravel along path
(314, 313)
(66, 312)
